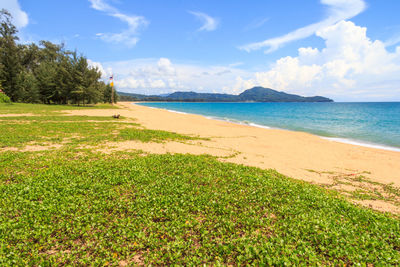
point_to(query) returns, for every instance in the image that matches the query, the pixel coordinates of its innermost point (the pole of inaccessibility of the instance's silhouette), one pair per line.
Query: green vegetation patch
(146, 135)
(72, 206)
(58, 118)
(21, 108)
(4, 98)
(75, 207)
(363, 188)
(74, 130)
(43, 133)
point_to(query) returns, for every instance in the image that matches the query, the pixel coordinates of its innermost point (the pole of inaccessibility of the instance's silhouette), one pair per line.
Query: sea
(366, 124)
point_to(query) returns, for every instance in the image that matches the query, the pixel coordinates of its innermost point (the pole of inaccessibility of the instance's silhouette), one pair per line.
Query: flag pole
(112, 95)
(112, 89)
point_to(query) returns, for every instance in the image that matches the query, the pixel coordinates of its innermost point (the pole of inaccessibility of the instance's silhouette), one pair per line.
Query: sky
(348, 50)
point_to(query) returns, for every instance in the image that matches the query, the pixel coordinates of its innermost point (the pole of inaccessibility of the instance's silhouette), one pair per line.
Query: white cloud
(128, 36)
(209, 23)
(20, 18)
(104, 74)
(101, 6)
(155, 76)
(350, 67)
(256, 24)
(394, 40)
(157, 84)
(165, 66)
(338, 10)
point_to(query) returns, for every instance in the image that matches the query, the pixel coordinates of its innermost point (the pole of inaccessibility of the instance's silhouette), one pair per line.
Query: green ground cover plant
(20, 131)
(20, 108)
(77, 132)
(74, 206)
(362, 188)
(4, 98)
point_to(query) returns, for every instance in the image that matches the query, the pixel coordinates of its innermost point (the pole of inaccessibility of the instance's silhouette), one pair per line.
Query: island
(255, 94)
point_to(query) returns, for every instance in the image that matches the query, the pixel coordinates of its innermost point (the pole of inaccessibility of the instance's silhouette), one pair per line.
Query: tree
(93, 92)
(107, 89)
(64, 79)
(78, 70)
(51, 52)
(27, 84)
(3, 97)
(27, 88)
(85, 81)
(9, 55)
(29, 56)
(46, 73)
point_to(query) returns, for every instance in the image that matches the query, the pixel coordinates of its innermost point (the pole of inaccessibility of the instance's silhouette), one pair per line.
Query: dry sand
(296, 154)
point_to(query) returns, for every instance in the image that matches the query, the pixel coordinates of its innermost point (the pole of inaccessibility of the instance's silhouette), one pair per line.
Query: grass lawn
(75, 206)
(19, 108)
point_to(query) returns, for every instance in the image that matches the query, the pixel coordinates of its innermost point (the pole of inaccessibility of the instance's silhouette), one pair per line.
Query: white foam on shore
(175, 111)
(259, 126)
(235, 121)
(334, 139)
(360, 143)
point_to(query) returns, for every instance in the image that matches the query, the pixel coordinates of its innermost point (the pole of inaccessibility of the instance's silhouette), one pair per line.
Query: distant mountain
(255, 94)
(261, 94)
(210, 97)
(138, 97)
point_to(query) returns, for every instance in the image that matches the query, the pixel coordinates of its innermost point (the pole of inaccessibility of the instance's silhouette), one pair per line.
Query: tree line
(46, 73)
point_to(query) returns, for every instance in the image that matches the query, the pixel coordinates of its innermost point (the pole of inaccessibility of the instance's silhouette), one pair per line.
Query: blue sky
(345, 49)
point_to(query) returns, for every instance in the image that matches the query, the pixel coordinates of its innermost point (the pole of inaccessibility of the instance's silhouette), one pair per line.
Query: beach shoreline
(296, 154)
(330, 138)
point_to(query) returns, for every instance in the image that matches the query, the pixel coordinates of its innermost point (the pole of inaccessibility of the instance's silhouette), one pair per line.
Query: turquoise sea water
(371, 124)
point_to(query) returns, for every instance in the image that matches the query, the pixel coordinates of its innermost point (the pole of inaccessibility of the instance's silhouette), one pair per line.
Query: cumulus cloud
(128, 36)
(104, 73)
(351, 66)
(337, 10)
(20, 18)
(155, 76)
(209, 23)
(165, 66)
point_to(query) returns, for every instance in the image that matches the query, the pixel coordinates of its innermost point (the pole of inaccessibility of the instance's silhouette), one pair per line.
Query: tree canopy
(46, 72)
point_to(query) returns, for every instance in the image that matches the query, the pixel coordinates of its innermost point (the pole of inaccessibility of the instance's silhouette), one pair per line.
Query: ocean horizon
(371, 124)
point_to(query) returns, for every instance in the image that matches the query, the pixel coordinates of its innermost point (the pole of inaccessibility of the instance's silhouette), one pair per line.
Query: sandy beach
(296, 154)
